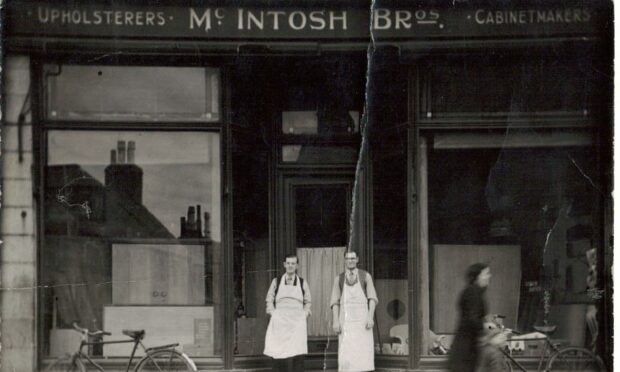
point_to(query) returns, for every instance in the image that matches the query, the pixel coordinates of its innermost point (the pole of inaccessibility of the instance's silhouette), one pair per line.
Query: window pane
(530, 212)
(250, 167)
(133, 93)
(390, 242)
(322, 98)
(308, 154)
(133, 236)
(307, 122)
(321, 216)
(471, 85)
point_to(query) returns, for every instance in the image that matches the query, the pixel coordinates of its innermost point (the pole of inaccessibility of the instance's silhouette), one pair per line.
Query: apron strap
(301, 283)
(361, 277)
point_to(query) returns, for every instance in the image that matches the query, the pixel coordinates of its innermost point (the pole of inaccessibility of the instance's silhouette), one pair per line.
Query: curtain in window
(319, 267)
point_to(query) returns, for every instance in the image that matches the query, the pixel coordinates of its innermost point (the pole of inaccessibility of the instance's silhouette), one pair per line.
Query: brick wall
(18, 252)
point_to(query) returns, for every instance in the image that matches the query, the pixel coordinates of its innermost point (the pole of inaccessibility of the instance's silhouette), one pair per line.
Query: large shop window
(525, 202)
(132, 239)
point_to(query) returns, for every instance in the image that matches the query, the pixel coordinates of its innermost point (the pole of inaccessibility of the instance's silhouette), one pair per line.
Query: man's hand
(307, 313)
(336, 327)
(370, 323)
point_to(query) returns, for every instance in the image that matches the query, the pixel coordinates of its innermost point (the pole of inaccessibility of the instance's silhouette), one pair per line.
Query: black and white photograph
(306, 185)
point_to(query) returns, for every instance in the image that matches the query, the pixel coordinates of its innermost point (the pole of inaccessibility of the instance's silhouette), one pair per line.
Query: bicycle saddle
(134, 334)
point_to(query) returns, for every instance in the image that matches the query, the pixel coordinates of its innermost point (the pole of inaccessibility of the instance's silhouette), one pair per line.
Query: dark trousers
(292, 364)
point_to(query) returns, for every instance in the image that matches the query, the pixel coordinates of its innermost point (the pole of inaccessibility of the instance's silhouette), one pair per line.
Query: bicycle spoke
(507, 364)
(575, 359)
(65, 364)
(164, 361)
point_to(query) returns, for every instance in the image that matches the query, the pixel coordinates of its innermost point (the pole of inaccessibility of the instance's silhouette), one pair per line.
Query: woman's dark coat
(464, 352)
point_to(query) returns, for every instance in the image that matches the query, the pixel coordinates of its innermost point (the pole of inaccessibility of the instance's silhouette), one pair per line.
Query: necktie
(351, 277)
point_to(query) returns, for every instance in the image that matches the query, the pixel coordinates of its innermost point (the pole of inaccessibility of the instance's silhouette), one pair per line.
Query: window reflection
(132, 93)
(471, 85)
(530, 212)
(132, 233)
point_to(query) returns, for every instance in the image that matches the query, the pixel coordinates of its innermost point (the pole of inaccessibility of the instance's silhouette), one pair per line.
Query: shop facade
(159, 162)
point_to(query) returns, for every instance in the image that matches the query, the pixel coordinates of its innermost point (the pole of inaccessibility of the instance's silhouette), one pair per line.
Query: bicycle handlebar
(85, 331)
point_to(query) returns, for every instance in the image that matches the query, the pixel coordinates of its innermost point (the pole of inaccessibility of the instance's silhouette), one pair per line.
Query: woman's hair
(474, 270)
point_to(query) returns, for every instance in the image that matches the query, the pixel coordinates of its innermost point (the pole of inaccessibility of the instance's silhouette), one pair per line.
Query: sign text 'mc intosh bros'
(293, 23)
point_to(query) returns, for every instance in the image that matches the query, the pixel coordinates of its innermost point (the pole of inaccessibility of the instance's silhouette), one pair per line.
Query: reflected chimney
(191, 220)
(122, 157)
(123, 181)
(183, 227)
(131, 151)
(207, 228)
(198, 222)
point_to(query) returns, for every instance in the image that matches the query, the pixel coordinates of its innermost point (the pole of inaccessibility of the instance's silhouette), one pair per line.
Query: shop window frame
(427, 360)
(424, 113)
(42, 124)
(352, 140)
(421, 123)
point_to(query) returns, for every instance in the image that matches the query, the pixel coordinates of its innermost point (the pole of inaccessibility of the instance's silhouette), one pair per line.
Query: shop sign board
(286, 23)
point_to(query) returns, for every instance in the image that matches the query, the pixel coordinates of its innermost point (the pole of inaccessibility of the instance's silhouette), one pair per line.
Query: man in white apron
(288, 304)
(353, 305)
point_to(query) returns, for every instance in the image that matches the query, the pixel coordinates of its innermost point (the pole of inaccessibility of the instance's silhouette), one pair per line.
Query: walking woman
(465, 352)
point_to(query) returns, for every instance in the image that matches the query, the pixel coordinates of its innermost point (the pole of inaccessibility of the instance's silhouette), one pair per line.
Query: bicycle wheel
(168, 360)
(575, 359)
(66, 363)
(507, 364)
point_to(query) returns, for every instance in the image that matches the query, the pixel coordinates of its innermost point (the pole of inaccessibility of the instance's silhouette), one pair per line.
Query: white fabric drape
(319, 267)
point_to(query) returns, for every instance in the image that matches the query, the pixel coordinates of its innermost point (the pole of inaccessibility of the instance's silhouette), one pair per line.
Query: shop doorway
(316, 228)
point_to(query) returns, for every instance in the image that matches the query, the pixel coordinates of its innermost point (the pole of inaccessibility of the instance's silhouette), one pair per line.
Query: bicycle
(557, 358)
(163, 358)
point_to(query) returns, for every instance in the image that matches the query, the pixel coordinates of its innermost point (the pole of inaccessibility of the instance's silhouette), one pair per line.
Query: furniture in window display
(158, 274)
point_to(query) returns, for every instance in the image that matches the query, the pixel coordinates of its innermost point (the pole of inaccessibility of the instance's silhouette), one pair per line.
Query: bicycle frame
(136, 342)
(85, 334)
(147, 351)
(549, 346)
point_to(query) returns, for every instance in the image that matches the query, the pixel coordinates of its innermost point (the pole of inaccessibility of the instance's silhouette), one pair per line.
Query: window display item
(158, 274)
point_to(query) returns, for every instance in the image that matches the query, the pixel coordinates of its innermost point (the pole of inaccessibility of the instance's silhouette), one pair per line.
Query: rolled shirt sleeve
(271, 294)
(371, 293)
(307, 298)
(336, 294)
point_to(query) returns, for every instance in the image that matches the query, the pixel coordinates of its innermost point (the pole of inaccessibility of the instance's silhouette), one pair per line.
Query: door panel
(321, 215)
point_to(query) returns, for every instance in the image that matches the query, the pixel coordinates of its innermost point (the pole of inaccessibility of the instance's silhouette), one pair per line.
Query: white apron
(355, 343)
(287, 333)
